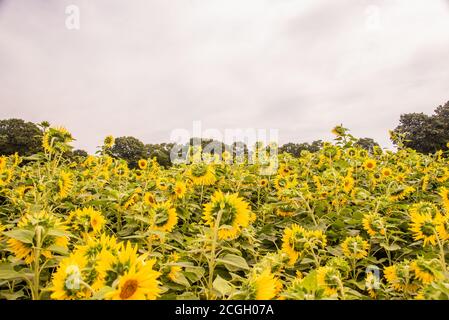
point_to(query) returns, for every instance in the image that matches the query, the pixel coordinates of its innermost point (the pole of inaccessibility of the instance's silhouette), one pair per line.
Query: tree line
(418, 131)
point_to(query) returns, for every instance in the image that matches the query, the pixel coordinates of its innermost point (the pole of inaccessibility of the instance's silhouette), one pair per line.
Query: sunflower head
(355, 247)
(57, 140)
(264, 285)
(201, 174)
(108, 142)
(369, 164)
(374, 224)
(329, 279)
(423, 227)
(230, 212)
(143, 164)
(164, 217)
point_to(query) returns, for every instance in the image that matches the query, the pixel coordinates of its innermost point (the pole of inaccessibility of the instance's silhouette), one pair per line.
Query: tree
(161, 152)
(19, 136)
(130, 149)
(426, 134)
(296, 148)
(367, 144)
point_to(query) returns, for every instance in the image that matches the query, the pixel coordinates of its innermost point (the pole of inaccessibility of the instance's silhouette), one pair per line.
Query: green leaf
(222, 286)
(187, 296)
(25, 236)
(181, 279)
(8, 273)
(233, 260)
(391, 247)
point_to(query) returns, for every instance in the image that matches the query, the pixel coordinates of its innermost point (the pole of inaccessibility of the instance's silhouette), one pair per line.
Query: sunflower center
(128, 289)
(427, 229)
(199, 170)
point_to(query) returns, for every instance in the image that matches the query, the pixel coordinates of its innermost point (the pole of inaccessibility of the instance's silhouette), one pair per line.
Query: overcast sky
(146, 67)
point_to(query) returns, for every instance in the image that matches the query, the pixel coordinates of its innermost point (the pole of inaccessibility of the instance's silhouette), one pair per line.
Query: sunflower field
(340, 223)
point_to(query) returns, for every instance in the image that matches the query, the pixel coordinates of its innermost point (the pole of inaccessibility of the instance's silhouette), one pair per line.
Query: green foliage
(130, 149)
(426, 134)
(19, 136)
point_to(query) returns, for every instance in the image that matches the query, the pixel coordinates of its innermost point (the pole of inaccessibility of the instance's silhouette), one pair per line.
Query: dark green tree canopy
(19, 136)
(130, 149)
(367, 144)
(426, 134)
(296, 148)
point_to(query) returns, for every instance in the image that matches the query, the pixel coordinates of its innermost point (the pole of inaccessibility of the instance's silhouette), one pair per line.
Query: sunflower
(401, 193)
(89, 220)
(425, 270)
(201, 174)
(2, 228)
(5, 176)
(164, 217)
(65, 183)
(143, 164)
(149, 199)
(369, 164)
(121, 170)
(57, 140)
(424, 208)
(67, 281)
(286, 209)
(424, 227)
(180, 189)
(226, 156)
(40, 222)
(3, 161)
(162, 184)
(231, 213)
(370, 284)
(108, 142)
(285, 182)
(329, 279)
(96, 245)
(294, 242)
(399, 277)
(374, 224)
(348, 184)
(444, 194)
(386, 172)
(175, 270)
(441, 174)
(263, 183)
(266, 285)
(141, 284)
(355, 247)
(442, 226)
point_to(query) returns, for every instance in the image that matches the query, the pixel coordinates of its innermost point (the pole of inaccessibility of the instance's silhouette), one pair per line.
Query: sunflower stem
(212, 257)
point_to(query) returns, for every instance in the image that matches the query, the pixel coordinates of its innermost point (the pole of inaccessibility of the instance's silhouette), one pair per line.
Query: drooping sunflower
(374, 224)
(164, 216)
(294, 242)
(5, 176)
(87, 220)
(231, 213)
(329, 279)
(401, 193)
(57, 140)
(65, 183)
(426, 270)
(442, 226)
(41, 222)
(424, 228)
(201, 174)
(399, 276)
(371, 283)
(424, 208)
(286, 208)
(355, 247)
(68, 282)
(444, 194)
(266, 285)
(96, 245)
(143, 164)
(137, 284)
